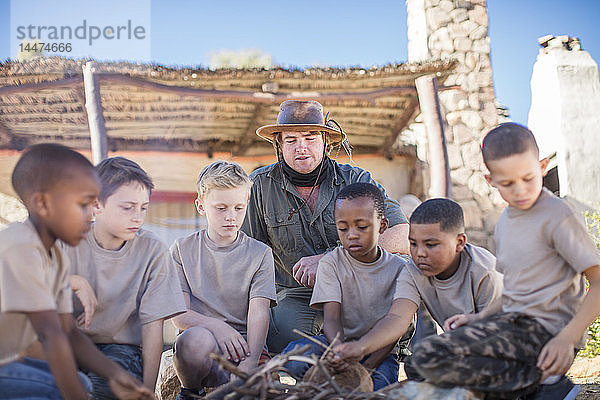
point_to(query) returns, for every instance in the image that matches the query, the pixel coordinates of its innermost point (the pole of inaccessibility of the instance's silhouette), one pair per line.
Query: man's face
(69, 207)
(225, 210)
(518, 178)
(303, 151)
(122, 214)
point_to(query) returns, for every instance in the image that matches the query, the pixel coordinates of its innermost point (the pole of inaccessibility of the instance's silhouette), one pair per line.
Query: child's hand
(125, 386)
(458, 320)
(247, 365)
(82, 289)
(556, 357)
(231, 343)
(348, 351)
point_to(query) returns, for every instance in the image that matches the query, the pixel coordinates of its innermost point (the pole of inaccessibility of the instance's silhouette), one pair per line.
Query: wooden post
(440, 183)
(93, 105)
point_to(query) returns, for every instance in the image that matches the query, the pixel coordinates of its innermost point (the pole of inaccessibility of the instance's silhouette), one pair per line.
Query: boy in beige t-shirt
(58, 186)
(356, 282)
(543, 250)
(129, 271)
(448, 275)
(228, 281)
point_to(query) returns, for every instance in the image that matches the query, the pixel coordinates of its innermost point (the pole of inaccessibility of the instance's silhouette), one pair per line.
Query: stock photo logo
(108, 30)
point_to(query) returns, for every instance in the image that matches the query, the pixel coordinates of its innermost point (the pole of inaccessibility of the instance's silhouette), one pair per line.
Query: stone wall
(458, 29)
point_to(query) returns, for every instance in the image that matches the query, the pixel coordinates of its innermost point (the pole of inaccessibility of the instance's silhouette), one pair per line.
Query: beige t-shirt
(30, 280)
(365, 290)
(474, 284)
(221, 280)
(542, 253)
(135, 285)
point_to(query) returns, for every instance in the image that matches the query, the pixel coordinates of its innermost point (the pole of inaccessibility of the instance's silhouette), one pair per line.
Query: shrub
(592, 347)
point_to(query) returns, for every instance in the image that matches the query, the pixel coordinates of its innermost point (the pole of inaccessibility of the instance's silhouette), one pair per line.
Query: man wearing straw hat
(291, 210)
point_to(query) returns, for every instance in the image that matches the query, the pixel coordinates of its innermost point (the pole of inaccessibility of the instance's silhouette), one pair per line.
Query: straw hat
(298, 115)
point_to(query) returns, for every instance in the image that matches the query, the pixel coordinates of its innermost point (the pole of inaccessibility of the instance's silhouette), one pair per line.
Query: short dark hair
(507, 139)
(443, 211)
(43, 165)
(362, 189)
(115, 172)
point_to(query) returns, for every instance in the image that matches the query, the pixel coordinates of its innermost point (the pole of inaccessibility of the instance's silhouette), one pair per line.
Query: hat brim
(268, 131)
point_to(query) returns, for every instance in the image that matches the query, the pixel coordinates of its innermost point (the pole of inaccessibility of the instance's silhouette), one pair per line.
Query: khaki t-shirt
(30, 280)
(135, 285)
(365, 290)
(474, 284)
(221, 280)
(542, 253)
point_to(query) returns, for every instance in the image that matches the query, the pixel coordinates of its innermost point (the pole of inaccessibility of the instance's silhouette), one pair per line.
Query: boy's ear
(383, 225)
(543, 165)
(461, 241)
(97, 207)
(39, 204)
(488, 178)
(199, 206)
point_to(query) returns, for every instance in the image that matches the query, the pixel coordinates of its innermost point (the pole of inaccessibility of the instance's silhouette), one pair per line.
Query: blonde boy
(543, 249)
(58, 186)
(228, 280)
(130, 272)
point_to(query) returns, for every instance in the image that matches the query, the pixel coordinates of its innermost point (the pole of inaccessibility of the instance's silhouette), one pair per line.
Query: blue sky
(322, 32)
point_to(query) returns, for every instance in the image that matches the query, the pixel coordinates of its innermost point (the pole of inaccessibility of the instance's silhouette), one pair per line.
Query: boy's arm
(58, 353)
(557, 355)
(84, 292)
(455, 321)
(385, 333)
(332, 322)
(152, 345)
(257, 329)
(229, 340)
(123, 384)
(377, 357)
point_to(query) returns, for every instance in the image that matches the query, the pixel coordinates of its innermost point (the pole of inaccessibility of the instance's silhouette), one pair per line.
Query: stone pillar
(439, 29)
(565, 115)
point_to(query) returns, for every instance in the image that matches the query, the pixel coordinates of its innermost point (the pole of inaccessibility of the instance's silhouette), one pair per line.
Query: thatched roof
(151, 107)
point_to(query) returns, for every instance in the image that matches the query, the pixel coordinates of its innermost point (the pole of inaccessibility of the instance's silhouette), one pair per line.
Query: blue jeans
(292, 311)
(127, 356)
(31, 378)
(385, 374)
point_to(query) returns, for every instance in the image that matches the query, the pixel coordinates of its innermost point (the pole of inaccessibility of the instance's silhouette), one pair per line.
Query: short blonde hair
(221, 175)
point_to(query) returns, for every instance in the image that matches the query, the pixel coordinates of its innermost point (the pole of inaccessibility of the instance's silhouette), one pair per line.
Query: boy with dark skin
(58, 186)
(356, 282)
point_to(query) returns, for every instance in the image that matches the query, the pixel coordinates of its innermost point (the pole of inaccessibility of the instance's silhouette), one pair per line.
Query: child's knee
(194, 345)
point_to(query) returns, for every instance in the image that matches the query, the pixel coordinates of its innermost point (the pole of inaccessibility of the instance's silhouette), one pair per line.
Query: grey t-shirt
(30, 280)
(135, 285)
(542, 253)
(221, 280)
(364, 290)
(472, 287)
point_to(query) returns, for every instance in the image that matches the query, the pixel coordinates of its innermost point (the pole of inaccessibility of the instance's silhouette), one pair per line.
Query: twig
(228, 366)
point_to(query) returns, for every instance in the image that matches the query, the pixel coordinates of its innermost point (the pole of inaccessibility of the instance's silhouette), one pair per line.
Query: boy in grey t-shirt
(543, 250)
(228, 281)
(355, 282)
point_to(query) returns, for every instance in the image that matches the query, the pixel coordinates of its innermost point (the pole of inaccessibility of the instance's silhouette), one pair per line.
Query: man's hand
(305, 270)
(556, 357)
(125, 386)
(82, 289)
(231, 343)
(459, 320)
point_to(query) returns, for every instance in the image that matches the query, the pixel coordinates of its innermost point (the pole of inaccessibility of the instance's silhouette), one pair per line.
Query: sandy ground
(586, 372)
